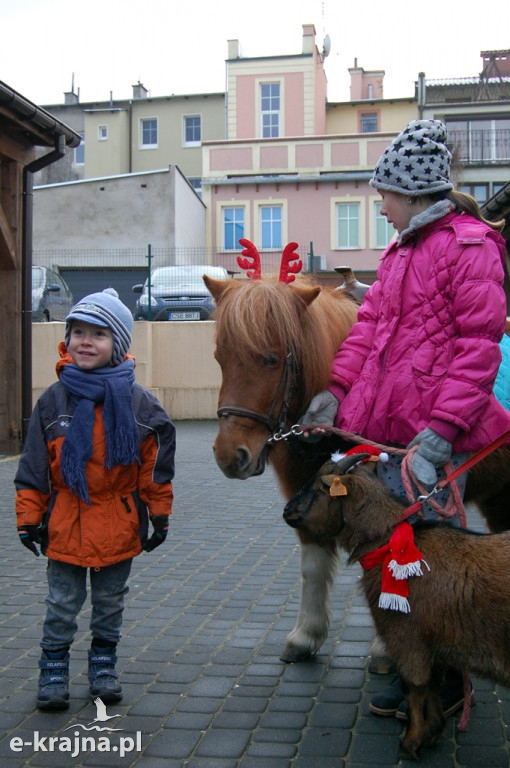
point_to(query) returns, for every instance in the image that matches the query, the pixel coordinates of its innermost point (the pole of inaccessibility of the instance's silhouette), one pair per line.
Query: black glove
(160, 525)
(30, 535)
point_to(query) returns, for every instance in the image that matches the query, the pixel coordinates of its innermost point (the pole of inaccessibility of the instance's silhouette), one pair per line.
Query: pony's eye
(271, 360)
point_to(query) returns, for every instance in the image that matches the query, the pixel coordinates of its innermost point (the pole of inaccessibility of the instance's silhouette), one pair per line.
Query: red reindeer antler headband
(251, 262)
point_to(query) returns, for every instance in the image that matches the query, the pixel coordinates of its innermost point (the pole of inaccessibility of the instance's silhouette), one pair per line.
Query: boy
(98, 462)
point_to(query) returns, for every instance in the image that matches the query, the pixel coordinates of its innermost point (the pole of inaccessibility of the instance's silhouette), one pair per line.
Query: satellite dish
(326, 46)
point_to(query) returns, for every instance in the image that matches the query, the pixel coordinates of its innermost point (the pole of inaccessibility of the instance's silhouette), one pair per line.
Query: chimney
(70, 97)
(366, 85)
(308, 38)
(140, 91)
(234, 50)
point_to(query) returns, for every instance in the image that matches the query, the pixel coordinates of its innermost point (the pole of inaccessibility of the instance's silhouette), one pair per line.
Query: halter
(291, 264)
(275, 422)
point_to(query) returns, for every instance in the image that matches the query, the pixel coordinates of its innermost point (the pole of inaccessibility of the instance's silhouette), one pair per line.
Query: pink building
(295, 168)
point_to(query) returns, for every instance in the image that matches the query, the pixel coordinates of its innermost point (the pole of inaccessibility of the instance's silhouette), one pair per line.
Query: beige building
(139, 134)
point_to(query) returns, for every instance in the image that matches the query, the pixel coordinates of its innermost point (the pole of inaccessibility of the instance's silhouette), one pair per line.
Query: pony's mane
(257, 317)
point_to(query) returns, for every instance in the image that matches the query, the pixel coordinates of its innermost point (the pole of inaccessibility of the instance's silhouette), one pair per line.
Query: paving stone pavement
(205, 622)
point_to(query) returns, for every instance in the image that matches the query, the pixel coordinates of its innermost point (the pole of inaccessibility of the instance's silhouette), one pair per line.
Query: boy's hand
(160, 525)
(30, 535)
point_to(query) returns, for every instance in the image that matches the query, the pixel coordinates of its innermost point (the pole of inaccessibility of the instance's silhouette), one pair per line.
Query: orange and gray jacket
(114, 526)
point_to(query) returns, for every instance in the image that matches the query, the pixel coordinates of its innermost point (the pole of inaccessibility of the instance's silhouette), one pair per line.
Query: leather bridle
(275, 419)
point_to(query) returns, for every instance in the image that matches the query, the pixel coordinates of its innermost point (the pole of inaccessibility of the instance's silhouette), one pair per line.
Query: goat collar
(401, 559)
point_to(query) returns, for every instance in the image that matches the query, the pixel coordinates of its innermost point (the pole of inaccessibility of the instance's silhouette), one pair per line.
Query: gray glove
(433, 451)
(322, 409)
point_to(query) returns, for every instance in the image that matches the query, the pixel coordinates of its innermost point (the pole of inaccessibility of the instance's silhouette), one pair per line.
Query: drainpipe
(26, 276)
(422, 94)
(130, 137)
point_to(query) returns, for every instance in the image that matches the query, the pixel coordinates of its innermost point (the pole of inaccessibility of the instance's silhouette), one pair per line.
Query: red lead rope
(467, 465)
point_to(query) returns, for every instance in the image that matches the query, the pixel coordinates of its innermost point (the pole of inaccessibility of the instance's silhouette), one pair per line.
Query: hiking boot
(386, 703)
(103, 679)
(53, 690)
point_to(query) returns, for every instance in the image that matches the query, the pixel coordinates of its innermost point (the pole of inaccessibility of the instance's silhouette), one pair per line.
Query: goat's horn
(349, 461)
(286, 268)
(251, 262)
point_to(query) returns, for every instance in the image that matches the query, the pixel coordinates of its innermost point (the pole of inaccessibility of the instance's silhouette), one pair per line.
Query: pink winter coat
(425, 350)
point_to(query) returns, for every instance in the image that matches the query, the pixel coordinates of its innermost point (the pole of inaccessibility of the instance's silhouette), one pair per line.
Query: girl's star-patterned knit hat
(106, 310)
(417, 162)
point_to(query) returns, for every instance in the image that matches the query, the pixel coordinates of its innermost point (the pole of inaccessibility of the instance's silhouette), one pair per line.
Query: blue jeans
(67, 592)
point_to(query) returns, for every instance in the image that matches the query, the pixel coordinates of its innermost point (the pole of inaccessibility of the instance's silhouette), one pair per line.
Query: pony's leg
(318, 568)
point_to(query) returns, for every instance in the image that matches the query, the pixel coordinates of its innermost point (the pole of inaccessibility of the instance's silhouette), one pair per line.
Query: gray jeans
(390, 473)
(67, 592)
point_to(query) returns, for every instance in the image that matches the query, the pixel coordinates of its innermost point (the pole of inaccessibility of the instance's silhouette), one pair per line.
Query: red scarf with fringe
(401, 559)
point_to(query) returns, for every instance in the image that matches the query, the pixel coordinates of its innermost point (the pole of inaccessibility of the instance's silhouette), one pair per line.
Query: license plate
(184, 315)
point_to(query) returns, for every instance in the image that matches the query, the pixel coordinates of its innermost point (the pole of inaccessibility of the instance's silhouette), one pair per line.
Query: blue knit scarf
(113, 388)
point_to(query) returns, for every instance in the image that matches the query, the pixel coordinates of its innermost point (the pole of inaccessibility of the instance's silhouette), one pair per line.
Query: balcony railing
(481, 147)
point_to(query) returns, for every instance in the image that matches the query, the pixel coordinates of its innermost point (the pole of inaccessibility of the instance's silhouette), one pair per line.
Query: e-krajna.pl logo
(78, 743)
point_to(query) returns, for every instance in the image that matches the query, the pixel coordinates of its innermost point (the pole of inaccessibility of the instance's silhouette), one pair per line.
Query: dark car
(177, 293)
(51, 296)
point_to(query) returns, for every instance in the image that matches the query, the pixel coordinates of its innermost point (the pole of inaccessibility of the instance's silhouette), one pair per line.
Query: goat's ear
(335, 485)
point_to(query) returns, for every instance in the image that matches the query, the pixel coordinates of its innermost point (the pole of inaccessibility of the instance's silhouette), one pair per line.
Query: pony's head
(274, 344)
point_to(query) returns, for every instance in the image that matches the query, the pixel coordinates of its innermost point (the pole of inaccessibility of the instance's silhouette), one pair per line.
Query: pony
(275, 341)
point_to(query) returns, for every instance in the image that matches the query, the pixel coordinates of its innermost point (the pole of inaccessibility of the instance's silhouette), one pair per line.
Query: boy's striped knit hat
(106, 310)
(416, 162)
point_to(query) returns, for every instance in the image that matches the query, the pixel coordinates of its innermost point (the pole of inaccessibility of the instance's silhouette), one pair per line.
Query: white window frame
(272, 203)
(368, 116)
(261, 112)
(140, 137)
(220, 218)
(224, 208)
(102, 132)
(390, 229)
(186, 143)
(361, 203)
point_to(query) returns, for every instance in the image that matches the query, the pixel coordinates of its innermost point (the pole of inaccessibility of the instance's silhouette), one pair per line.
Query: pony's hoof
(291, 654)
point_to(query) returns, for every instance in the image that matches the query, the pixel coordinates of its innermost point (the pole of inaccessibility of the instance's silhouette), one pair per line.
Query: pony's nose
(243, 458)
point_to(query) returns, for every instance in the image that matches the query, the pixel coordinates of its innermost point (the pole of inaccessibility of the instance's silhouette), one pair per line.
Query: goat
(459, 609)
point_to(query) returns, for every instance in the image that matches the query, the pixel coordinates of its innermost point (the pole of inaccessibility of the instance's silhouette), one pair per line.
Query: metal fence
(90, 270)
(479, 146)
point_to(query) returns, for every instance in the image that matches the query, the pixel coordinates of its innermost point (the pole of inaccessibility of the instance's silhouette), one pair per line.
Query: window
(233, 227)
(480, 141)
(384, 231)
(192, 130)
(270, 110)
(79, 151)
(148, 133)
(102, 132)
(347, 225)
(271, 226)
(479, 191)
(369, 123)
(196, 183)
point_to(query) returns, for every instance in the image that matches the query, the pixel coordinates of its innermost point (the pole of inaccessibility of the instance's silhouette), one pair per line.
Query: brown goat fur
(460, 609)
